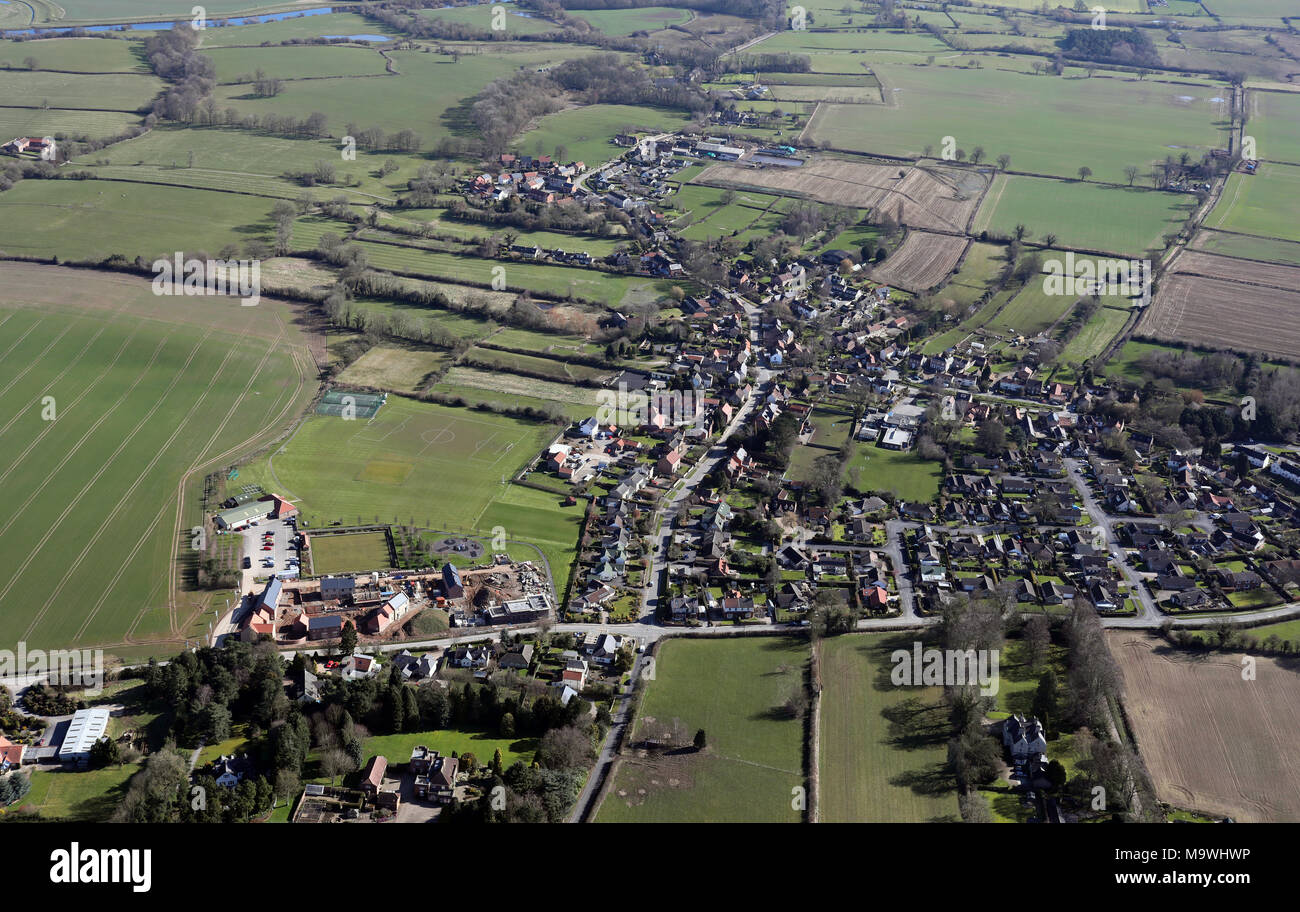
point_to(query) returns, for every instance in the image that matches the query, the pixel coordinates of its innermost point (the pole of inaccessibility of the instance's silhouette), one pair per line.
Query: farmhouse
(43, 147)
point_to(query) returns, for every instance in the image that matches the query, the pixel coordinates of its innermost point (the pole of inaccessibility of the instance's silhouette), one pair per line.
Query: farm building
(87, 727)
(719, 151)
(45, 148)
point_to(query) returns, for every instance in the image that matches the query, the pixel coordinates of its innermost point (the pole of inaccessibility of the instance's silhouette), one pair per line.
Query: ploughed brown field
(916, 197)
(1250, 272)
(1212, 741)
(1221, 313)
(922, 261)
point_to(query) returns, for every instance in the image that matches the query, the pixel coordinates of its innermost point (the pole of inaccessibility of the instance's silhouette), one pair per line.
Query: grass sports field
(1087, 216)
(884, 749)
(1047, 125)
(356, 551)
(401, 464)
(144, 391)
(437, 466)
(907, 475)
(734, 690)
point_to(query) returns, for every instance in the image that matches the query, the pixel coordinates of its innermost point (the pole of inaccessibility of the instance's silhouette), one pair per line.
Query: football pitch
(414, 461)
(113, 403)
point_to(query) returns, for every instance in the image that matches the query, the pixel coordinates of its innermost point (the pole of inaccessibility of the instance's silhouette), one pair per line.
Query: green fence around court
(344, 403)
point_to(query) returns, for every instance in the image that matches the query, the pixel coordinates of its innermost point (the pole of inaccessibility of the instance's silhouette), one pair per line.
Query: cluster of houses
(378, 604)
(539, 179)
(576, 667)
(1023, 568)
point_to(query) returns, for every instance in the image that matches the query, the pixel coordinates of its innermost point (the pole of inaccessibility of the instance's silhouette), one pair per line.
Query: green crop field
(241, 64)
(352, 552)
(626, 21)
(1046, 125)
(480, 16)
(585, 134)
(61, 123)
(736, 691)
(420, 98)
(241, 162)
(884, 749)
(143, 389)
(1253, 248)
(85, 91)
(1249, 203)
(95, 219)
(563, 281)
(1088, 216)
(289, 29)
(169, 10)
(1033, 311)
(106, 55)
(1095, 335)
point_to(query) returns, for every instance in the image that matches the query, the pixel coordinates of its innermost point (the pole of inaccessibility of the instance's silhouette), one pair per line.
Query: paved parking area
(284, 547)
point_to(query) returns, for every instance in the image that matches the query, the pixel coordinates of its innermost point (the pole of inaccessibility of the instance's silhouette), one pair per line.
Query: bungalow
(11, 754)
(876, 597)
(519, 658)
